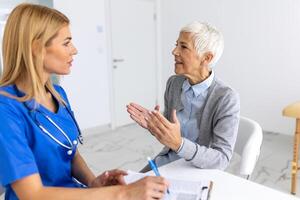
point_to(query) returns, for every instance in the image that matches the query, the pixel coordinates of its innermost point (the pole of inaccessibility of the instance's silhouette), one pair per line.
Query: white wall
(262, 44)
(88, 84)
(5, 7)
(262, 50)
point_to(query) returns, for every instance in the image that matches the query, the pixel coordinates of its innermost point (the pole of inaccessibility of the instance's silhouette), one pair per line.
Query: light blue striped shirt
(192, 98)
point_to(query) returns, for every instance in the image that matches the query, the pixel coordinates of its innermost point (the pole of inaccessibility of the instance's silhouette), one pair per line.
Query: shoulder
(9, 105)
(7, 93)
(224, 90)
(62, 94)
(175, 81)
(176, 78)
(61, 91)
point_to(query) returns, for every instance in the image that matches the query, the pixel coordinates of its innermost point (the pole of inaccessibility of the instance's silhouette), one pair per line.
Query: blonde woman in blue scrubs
(38, 133)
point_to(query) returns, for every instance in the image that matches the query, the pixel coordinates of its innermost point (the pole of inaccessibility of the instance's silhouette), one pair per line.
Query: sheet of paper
(179, 189)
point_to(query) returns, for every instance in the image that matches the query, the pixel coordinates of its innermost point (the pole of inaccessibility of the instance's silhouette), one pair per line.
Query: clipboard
(180, 189)
(206, 191)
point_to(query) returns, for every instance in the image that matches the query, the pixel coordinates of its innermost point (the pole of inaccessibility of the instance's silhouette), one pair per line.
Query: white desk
(225, 186)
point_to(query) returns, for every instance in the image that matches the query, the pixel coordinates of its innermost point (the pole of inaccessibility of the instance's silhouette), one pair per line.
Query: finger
(121, 180)
(141, 122)
(154, 130)
(160, 121)
(137, 113)
(159, 125)
(174, 117)
(159, 180)
(158, 187)
(153, 124)
(104, 178)
(157, 107)
(117, 172)
(161, 118)
(157, 194)
(138, 107)
(134, 111)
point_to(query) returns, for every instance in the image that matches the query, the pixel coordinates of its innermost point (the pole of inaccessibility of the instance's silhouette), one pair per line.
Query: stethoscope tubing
(55, 139)
(72, 144)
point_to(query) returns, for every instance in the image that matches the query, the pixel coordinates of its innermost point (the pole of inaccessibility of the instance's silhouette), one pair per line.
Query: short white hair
(207, 38)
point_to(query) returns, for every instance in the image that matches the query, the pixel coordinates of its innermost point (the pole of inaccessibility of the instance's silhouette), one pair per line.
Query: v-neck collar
(32, 104)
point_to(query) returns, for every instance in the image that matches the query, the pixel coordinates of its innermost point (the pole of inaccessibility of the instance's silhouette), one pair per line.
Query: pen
(155, 170)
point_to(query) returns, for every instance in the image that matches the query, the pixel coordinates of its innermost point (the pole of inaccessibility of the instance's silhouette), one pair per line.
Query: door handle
(115, 60)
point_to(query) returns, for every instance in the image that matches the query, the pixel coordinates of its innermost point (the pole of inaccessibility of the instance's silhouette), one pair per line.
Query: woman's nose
(74, 52)
(175, 52)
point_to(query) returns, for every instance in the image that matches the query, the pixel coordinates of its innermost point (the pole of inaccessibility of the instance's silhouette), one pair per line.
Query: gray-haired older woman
(201, 116)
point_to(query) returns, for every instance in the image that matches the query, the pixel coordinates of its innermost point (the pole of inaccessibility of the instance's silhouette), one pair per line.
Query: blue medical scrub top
(25, 149)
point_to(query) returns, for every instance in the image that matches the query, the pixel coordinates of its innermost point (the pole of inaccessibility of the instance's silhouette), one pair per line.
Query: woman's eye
(184, 47)
(66, 44)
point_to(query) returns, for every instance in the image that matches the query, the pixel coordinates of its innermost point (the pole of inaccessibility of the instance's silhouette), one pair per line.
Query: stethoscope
(31, 106)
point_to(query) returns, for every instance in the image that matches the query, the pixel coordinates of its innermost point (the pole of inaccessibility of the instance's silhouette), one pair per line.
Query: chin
(177, 71)
(64, 73)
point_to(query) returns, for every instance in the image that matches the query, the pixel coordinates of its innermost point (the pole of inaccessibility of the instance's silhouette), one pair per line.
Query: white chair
(248, 144)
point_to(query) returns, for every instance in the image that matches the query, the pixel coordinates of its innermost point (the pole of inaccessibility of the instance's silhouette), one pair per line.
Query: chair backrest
(248, 144)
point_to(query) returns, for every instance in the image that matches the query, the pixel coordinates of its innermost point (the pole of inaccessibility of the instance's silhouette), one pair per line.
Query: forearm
(31, 188)
(205, 157)
(58, 193)
(81, 171)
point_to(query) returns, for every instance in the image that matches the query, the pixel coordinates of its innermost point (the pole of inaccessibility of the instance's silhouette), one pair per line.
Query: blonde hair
(28, 25)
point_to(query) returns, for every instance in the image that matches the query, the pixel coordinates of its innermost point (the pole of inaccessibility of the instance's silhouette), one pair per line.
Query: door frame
(158, 56)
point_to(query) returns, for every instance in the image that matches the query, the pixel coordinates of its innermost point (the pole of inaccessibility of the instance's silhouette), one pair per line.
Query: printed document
(179, 189)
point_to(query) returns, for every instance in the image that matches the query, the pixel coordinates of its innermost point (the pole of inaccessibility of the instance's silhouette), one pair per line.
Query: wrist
(91, 182)
(178, 145)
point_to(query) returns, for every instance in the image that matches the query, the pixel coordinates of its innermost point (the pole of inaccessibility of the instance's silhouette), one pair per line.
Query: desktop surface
(225, 185)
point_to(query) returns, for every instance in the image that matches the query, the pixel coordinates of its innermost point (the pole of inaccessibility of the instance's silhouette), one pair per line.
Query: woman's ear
(36, 48)
(208, 56)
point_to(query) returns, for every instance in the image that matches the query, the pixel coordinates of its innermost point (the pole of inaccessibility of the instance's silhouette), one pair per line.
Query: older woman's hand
(139, 113)
(112, 177)
(167, 133)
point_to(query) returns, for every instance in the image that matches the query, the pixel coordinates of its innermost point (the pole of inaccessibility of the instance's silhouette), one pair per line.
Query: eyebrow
(183, 43)
(68, 38)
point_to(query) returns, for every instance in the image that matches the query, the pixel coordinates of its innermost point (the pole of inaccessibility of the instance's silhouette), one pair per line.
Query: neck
(199, 76)
(24, 84)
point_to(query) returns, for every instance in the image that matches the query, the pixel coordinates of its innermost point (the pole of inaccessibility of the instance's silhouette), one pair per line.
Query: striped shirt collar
(200, 87)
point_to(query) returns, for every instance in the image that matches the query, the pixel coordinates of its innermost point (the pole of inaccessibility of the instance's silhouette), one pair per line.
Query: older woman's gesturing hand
(139, 114)
(167, 133)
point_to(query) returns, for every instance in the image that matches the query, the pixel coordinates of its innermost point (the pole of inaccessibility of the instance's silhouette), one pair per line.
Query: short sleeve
(16, 158)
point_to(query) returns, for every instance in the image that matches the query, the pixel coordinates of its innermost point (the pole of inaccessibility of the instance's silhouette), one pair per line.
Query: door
(133, 52)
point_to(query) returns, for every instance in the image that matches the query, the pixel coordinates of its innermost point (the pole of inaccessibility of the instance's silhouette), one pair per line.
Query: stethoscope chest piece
(69, 152)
